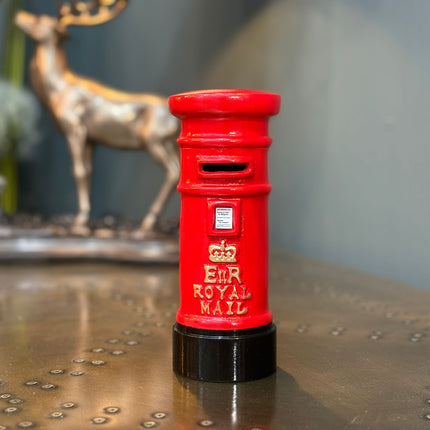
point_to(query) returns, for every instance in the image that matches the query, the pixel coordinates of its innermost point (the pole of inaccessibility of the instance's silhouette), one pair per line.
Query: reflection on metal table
(88, 345)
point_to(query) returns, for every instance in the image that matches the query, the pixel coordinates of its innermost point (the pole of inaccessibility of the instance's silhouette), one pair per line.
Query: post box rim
(224, 101)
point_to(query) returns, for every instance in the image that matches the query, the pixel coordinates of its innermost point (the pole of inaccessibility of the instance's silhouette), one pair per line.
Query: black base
(224, 355)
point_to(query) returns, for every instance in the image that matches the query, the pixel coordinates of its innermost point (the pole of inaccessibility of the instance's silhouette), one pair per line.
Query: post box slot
(218, 167)
(224, 167)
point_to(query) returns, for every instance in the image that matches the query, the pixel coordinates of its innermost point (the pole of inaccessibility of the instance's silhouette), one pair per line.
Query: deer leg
(168, 158)
(81, 174)
(88, 164)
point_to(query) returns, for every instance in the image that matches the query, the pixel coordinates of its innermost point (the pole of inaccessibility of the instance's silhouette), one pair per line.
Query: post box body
(224, 242)
(224, 208)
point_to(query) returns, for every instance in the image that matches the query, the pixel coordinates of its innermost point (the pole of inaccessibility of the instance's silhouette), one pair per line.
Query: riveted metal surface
(88, 346)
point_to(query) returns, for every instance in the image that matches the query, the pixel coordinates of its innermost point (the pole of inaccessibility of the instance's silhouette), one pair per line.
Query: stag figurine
(88, 112)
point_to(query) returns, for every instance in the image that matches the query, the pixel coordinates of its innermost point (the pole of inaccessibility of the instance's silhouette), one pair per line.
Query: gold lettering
(217, 308)
(197, 290)
(222, 276)
(241, 311)
(234, 294)
(244, 295)
(221, 290)
(204, 307)
(210, 274)
(233, 272)
(209, 292)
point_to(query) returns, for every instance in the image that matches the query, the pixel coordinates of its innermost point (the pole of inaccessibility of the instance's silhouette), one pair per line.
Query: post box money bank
(224, 329)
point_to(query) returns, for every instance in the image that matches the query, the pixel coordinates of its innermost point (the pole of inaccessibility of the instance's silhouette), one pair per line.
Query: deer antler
(82, 13)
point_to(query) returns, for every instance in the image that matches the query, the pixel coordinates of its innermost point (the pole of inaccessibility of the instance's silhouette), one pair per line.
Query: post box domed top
(221, 102)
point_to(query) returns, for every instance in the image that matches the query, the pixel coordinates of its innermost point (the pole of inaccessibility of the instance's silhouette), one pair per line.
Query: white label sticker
(223, 218)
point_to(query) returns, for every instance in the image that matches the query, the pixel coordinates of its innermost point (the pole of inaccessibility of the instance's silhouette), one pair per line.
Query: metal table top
(88, 345)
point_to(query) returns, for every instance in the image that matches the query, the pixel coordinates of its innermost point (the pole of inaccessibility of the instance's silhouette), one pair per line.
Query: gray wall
(350, 165)
(350, 159)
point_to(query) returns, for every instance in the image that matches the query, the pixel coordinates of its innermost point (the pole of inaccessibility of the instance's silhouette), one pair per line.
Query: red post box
(224, 329)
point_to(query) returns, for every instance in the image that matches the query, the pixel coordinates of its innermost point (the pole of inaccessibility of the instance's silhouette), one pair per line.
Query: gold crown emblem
(222, 253)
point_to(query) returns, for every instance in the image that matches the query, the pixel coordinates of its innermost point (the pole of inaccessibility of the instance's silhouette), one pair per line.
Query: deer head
(40, 28)
(43, 27)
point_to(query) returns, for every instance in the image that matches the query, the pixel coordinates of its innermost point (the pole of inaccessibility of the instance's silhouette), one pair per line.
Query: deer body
(88, 112)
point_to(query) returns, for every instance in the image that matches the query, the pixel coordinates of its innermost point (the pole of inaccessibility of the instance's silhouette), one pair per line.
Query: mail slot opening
(224, 167)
